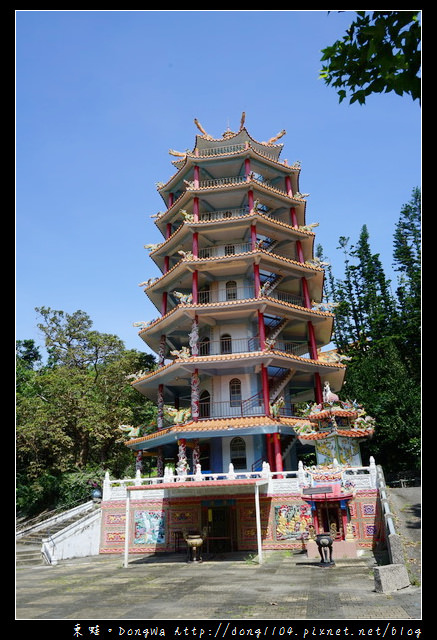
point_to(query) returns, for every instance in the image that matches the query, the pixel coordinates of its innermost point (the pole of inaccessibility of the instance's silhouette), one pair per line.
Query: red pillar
(247, 167)
(164, 303)
(318, 393)
(278, 453)
(299, 252)
(293, 217)
(250, 200)
(253, 236)
(261, 330)
(195, 244)
(257, 279)
(196, 209)
(196, 177)
(315, 518)
(265, 388)
(306, 294)
(168, 231)
(312, 342)
(194, 290)
(288, 188)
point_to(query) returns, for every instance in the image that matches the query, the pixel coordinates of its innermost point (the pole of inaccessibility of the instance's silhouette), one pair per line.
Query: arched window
(225, 343)
(231, 290)
(238, 453)
(235, 392)
(205, 405)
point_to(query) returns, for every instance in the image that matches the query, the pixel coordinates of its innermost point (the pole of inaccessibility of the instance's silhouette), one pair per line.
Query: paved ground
(284, 587)
(405, 503)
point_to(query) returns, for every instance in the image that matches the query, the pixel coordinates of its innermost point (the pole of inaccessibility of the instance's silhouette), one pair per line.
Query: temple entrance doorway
(329, 514)
(220, 523)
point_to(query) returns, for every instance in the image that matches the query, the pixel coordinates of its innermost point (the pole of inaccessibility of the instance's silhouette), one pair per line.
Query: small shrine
(335, 429)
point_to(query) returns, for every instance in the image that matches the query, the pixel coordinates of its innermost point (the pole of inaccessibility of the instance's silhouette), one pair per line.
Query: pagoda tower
(241, 317)
(242, 382)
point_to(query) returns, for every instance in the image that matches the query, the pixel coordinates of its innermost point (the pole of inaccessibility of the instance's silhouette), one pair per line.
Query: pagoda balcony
(251, 407)
(227, 345)
(240, 409)
(225, 250)
(233, 148)
(235, 248)
(226, 181)
(207, 296)
(225, 149)
(224, 214)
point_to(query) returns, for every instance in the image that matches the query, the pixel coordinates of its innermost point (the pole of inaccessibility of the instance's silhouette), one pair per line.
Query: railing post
(106, 493)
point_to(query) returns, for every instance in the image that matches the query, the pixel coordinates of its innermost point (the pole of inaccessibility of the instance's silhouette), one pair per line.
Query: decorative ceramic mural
(149, 527)
(326, 451)
(345, 450)
(349, 452)
(292, 521)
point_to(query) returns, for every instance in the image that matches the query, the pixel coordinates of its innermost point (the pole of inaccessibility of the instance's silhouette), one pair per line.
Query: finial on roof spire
(243, 118)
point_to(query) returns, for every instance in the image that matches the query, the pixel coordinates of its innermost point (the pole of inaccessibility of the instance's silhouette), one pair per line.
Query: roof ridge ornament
(202, 130)
(271, 141)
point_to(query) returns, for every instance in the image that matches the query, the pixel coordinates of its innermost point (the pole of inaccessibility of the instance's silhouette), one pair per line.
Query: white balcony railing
(295, 480)
(207, 296)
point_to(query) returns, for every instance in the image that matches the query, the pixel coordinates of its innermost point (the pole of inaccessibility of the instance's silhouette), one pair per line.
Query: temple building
(242, 386)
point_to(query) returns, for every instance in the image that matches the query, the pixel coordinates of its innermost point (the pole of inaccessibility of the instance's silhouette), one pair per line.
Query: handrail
(228, 249)
(47, 515)
(229, 148)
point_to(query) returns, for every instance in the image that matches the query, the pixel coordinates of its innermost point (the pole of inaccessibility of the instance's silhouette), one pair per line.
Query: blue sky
(101, 96)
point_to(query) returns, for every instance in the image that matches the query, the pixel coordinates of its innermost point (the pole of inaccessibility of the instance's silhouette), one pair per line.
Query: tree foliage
(69, 410)
(379, 53)
(380, 332)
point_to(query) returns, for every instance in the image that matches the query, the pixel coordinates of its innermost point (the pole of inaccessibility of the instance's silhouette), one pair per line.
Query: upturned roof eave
(215, 427)
(190, 363)
(192, 191)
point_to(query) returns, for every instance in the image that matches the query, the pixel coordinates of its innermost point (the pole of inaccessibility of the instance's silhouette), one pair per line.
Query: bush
(35, 496)
(77, 486)
(61, 491)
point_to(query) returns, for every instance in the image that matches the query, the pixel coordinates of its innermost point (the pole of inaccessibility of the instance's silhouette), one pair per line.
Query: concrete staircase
(280, 384)
(28, 547)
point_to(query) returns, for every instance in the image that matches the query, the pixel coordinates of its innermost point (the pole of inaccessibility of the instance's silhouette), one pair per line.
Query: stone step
(28, 547)
(28, 555)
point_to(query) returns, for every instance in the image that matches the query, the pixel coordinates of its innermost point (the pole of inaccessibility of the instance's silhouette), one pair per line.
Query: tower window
(205, 405)
(238, 453)
(235, 392)
(231, 290)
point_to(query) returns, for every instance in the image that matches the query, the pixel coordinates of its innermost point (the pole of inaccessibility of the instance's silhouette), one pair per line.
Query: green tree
(366, 309)
(68, 419)
(381, 332)
(407, 262)
(380, 52)
(380, 381)
(27, 357)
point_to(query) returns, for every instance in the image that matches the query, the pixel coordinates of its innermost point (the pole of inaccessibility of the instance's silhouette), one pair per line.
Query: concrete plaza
(165, 587)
